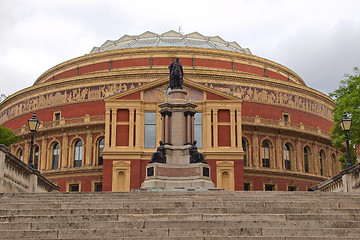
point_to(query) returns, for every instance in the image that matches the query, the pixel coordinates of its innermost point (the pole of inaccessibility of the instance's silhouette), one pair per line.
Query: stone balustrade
(16, 176)
(69, 122)
(285, 125)
(347, 180)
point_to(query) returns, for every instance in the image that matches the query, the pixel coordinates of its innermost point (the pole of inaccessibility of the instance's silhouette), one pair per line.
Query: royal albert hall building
(257, 123)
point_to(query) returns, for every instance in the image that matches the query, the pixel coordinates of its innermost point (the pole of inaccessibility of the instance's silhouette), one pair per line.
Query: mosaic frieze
(275, 97)
(160, 94)
(64, 97)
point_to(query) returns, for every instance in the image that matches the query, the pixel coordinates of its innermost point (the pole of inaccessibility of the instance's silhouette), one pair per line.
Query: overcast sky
(317, 39)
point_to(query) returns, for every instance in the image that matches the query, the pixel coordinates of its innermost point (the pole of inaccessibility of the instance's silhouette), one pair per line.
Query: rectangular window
(198, 129)
(286, 117)
(247, 186)
(98, 187)
(74, 188)
(150, 130)
(269, 187)
(57, 116)
(292, 188)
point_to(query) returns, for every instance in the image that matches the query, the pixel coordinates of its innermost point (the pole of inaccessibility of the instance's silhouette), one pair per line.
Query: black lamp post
(345, 125)
(33, 127)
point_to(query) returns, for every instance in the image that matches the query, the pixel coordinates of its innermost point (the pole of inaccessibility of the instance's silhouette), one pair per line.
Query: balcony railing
(284, 125)
(64, 122)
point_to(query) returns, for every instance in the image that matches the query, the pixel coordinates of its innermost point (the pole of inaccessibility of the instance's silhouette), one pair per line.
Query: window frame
(306, 159)
(265, 161)
(53, 156)
(78, 153)
(287, 153)
(99, 155)
(150, 130)
(198, 130)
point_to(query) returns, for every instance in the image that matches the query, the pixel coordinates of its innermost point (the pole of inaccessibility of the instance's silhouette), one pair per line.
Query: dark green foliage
(7, 137)
(347, 99)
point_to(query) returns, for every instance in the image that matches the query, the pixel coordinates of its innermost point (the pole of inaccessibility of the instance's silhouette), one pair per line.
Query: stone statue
(159, 155)
(176, 75)
(195, 156)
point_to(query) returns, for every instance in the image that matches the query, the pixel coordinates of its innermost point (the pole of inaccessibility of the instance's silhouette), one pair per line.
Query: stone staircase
(180, 215)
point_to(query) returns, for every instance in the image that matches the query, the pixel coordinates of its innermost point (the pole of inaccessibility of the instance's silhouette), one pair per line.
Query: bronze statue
(176, 75)
(159, 155)
(195, 156)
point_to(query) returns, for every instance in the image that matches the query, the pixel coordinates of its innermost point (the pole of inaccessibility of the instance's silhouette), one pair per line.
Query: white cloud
(316, 39)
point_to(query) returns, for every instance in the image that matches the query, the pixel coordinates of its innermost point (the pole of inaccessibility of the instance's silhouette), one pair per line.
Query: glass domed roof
(170, 39)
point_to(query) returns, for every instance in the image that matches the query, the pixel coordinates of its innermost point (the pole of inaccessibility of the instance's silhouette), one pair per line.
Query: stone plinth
(177, 135)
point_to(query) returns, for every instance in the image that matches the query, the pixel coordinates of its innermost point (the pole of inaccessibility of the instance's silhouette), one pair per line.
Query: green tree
(347, 98)
(7, 137)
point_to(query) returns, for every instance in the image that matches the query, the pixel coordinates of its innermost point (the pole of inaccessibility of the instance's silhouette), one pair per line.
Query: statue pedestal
(176, 171)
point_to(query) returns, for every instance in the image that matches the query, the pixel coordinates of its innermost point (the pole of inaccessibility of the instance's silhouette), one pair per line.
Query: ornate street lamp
(33, 127)
(345, 125)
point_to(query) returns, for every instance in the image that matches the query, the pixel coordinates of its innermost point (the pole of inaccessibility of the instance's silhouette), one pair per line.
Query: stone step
(180, 204)
(223, 194)
(84, 212)
(204, 238)
(180, 215)
(292, 224)
(181, 232)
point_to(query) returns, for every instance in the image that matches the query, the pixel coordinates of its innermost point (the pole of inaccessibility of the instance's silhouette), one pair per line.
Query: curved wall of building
(277, 109)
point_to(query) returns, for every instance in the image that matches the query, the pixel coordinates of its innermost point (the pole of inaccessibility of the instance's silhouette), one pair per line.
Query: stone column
(192, 128)
(215, 127)
(167, 127)
(232, 128)
(188, 128)
(139, 127)
(255, 140)
(163, 128)
(315, 159)
(208, 131)
(88, 148)
(131, 127)
(63, 161)
(113, 127)
(43, 157)
(299, 155)
(239, 129)
(107, 127)
(26, 152)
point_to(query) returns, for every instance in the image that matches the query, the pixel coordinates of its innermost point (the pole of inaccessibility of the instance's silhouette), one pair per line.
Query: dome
(170, 39)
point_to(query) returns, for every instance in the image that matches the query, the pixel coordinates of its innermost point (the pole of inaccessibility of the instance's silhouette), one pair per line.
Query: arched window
(55, 156)
(100, 149)
(78, 154)
(19, 154)
(322, 158)
(36, 157)
(265, 154)
(287, 156)
(306, 158)
(244, 146)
